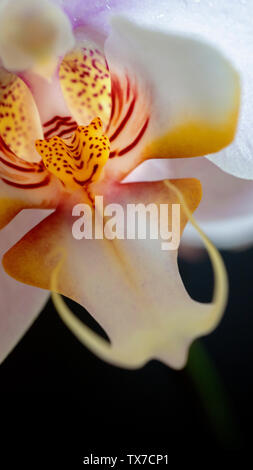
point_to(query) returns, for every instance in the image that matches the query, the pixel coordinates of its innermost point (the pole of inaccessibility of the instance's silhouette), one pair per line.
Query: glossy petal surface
(191, 92)
(225, 212)
(20, 304)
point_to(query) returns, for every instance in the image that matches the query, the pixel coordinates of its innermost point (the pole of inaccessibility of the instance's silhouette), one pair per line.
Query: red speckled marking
(19, 119)
(86, 85)
(59, 125)
(79, 161)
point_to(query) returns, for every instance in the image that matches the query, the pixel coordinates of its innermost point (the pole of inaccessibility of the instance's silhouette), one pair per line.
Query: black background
(63, 403)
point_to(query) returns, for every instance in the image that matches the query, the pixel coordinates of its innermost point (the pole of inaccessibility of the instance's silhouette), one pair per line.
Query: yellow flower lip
(78, 161)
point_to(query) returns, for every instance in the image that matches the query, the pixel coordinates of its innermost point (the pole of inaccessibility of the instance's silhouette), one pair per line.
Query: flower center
(77, 161)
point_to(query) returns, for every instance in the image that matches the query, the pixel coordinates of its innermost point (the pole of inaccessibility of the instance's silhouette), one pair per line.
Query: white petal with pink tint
(225, 212)
(20, 304)
(192, 88)
(47, 95)
(228, 25)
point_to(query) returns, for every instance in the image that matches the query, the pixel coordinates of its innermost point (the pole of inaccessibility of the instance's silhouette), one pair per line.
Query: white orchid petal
(191, 89)
(225, 212)
(227, 25)
(20, 304)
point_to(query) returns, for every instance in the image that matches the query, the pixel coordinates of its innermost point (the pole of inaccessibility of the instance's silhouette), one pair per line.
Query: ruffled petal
(19, 119)
(189, 94)
(20, 304)
(80, 161)
(131, 287)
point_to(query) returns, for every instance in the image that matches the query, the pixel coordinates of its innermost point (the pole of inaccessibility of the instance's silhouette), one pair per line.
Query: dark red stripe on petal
(67, 131)
(4, 147)
(124, 121)
(88, 180)
(118, 95)
(113, 154)
(56, 118)
(136, 141)
(44, 182)
(58, 125)
(16, 167)
(128, 88)
(113, 105)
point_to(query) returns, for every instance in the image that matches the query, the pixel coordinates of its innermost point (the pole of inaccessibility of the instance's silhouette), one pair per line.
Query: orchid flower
(69, 135)
(225, 212)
